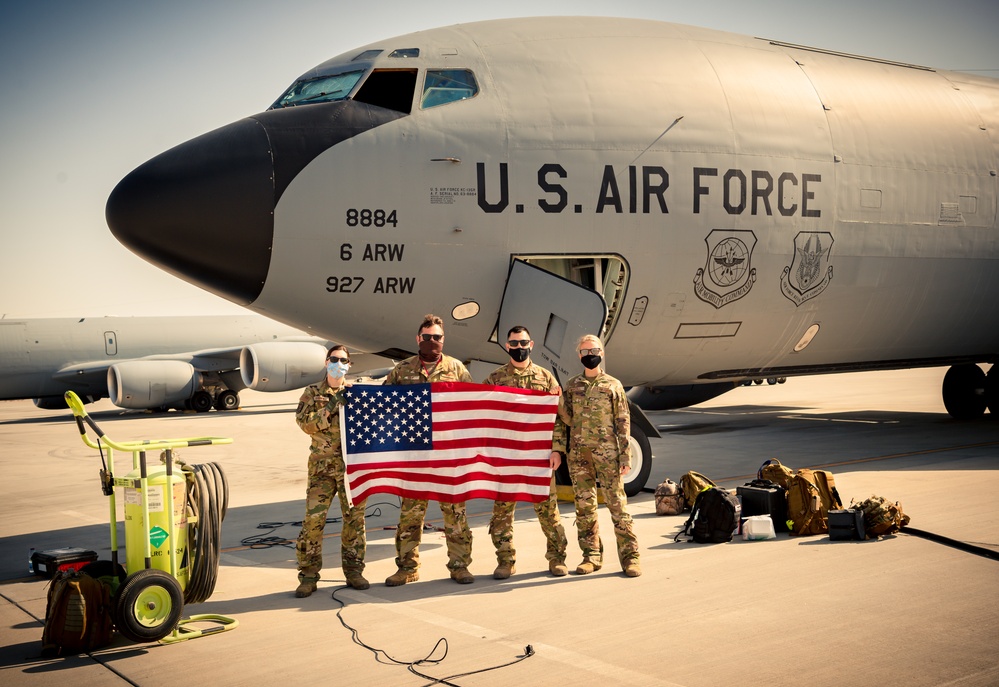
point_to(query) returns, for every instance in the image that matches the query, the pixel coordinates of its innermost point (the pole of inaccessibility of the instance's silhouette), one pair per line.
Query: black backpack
(714, 517)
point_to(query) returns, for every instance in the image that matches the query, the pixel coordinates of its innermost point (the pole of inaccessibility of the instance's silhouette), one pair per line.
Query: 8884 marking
(366, 217)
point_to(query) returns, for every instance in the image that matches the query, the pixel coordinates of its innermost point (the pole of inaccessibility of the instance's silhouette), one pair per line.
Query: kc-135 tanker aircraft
(718, 207)
(154, 362)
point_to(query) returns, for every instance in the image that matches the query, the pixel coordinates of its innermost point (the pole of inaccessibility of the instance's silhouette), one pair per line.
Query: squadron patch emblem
(729, 273)
(809, 273)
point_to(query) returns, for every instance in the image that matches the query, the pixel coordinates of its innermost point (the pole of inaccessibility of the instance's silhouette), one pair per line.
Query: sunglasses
(589, 351)
(513, 343)
(428, 337)
(345, 361)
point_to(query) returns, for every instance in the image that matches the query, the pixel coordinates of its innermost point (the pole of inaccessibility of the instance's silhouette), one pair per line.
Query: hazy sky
(93, 89)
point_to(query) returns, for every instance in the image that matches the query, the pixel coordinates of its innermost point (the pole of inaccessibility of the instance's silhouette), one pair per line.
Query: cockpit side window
(389, 88)
(443, 86)
(319, 89)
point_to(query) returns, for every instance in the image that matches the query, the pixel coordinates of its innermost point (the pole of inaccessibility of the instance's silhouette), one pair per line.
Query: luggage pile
(800, 502)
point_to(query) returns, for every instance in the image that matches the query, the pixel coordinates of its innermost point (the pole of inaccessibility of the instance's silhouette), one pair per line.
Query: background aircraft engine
(281, 366)
(142, 384)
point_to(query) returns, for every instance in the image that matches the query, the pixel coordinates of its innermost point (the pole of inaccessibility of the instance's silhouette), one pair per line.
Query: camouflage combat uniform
(318, 416)
(413, 511)
(594, 417)
(501, 524)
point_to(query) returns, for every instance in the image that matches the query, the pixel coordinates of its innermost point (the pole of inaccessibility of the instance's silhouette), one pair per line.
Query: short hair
(517, 330)
(589, 337)
(429, 320)
(338, 347)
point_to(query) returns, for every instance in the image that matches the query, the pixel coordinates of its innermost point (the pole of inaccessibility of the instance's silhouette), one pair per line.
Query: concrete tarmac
(902, 610)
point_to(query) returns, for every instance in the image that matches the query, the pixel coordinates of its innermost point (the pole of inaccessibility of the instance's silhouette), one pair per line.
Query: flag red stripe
(491, 442)
(453, 405)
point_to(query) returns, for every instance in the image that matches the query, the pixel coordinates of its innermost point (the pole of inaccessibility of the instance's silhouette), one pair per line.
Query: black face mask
(591, 361)
(520, 354)
(430, 351)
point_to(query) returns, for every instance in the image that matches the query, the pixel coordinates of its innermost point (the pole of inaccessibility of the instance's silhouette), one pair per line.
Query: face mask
(430, 351)
(520, 354)
(336, 369)
(591, 361)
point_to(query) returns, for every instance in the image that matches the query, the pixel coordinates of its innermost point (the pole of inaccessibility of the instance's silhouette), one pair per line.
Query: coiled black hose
(208, 499)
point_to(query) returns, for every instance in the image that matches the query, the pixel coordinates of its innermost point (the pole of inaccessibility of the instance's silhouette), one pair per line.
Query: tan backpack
(693, 483)
(881, 516)
(811, 494)
(77, 615)
(775, 472)
(669, 498)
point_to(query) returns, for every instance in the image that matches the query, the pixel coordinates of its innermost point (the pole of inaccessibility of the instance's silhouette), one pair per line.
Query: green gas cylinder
(157, 532)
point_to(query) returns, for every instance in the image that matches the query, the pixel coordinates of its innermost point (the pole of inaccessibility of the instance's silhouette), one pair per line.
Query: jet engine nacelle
(282, 366)
(141, 384)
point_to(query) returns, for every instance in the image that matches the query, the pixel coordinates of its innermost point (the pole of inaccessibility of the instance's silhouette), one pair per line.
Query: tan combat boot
(462, 576)
(357, 581)
(305, 588)
(632, 569)
(587, 566)
(401, 577)
(504, 570)
(557, 568)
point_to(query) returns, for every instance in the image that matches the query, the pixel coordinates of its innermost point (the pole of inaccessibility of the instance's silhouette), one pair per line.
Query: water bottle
(31, 561)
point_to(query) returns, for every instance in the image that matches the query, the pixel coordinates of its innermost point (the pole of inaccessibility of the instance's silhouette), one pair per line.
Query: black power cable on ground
(265, 541)
(953, 543)
(428, 660)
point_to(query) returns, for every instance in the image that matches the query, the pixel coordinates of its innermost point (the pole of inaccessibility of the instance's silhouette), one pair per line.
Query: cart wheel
(105, 572)
(148, 605)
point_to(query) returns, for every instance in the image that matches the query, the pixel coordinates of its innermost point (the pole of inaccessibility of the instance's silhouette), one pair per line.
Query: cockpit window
(389, 88)
(405, 52)
(320, 89)
(444, 86)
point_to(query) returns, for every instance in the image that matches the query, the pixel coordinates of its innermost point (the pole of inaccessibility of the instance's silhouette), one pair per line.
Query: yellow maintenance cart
(173, 523)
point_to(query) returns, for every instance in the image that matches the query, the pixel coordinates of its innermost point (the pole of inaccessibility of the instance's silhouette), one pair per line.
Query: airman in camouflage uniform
(318, 414)
(431, 365)
(595, 421)
(521, 373)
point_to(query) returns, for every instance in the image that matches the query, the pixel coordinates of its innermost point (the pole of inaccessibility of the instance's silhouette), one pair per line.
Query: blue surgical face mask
(337, 369)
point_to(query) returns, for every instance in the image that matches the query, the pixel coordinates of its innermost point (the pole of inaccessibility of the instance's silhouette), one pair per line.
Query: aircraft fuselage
(744, 207)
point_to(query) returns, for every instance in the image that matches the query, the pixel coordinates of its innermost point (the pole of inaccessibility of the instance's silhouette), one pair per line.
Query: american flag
(448, 441)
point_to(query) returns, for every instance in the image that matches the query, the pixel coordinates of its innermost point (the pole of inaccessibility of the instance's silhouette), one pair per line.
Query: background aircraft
(154, 362)
(719, 207)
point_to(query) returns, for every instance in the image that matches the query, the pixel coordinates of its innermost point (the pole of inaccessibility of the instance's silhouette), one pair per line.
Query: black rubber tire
(201, 402)
(148, 605)
(964, 392)
(641, 462)
(227, 400)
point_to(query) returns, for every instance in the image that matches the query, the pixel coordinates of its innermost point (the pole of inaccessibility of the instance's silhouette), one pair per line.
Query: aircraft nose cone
(203, 210)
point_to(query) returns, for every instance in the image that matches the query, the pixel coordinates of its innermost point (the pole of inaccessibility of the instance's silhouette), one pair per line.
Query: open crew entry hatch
(559, 298)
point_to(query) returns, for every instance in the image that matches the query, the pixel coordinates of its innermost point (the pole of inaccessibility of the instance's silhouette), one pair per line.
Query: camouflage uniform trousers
(325, 480)
(407, 537)
(501, 529)
(586, 468)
